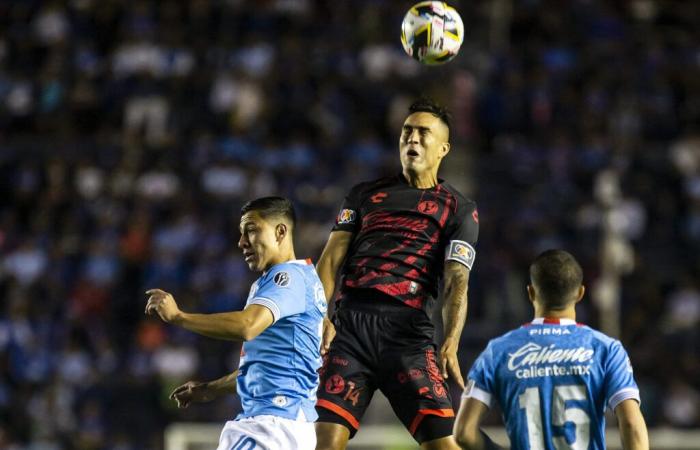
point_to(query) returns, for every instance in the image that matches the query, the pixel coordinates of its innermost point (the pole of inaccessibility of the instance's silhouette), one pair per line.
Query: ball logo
(346, 216)
(428, 207)
(281, 279)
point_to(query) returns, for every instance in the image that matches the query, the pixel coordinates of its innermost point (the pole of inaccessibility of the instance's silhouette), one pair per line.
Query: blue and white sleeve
(619, 378)
(282, 290)
(480, 380)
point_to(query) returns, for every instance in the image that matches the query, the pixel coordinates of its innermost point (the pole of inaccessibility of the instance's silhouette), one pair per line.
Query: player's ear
(531, 293)
(580, 293)
(281, 231)
(444, 149)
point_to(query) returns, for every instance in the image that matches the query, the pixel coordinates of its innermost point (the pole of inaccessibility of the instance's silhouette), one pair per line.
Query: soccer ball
(432, 32)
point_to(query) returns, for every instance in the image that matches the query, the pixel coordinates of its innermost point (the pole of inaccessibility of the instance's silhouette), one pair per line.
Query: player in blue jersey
(280, 327)
(552, 377)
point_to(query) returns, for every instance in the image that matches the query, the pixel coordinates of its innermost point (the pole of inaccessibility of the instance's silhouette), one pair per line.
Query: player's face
(423, 142)
(258, 241)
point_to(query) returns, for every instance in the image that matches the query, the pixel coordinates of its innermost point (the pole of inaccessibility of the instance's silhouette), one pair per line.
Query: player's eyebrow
(417, 127)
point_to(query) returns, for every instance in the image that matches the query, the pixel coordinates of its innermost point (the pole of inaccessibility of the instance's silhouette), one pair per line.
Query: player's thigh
(418, 394)
(331, 436)
(347, 381)
(445, 443)
(267, 433)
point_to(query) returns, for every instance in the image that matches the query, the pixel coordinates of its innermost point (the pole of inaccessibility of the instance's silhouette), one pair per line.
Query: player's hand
(328, 335)
(449, 364)
(192, 391)
(162, 303)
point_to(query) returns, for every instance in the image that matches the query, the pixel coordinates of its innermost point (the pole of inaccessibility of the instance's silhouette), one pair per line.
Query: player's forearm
(634, 435)
(327, 270)
(224, 385)
(454, 310)
(228, 326)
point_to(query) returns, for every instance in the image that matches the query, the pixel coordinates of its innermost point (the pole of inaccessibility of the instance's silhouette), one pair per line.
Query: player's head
(425, 137)
(555, 281)
(266, 229)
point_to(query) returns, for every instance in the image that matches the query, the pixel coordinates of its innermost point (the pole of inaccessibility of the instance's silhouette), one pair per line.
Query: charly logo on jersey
(281, 279)
(346, 216)
(533, 360)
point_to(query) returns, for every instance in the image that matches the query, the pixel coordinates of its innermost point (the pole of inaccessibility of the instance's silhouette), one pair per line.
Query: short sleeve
(348, 218)
(283, 291)
(463, 234)
(480, 381)
(619, 379)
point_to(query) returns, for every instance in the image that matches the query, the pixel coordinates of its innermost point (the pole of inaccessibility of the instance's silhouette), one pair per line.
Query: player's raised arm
(327, 268)
(332, 258)
(454, 313)
(237, 326)
(633, 429)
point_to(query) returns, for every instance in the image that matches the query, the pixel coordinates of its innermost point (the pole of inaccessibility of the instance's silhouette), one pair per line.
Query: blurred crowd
(131, 132)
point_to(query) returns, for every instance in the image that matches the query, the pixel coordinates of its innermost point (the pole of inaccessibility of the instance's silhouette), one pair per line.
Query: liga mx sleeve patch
(461, 252)
(345, 217)
(281, 279)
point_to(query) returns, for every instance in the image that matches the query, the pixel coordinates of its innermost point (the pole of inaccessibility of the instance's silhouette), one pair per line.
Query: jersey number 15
(530, 402)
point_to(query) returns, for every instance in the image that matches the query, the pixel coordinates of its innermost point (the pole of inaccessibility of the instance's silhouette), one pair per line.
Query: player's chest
(406, 208)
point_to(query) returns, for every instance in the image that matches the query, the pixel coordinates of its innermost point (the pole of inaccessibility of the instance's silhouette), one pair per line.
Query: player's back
(553, 380)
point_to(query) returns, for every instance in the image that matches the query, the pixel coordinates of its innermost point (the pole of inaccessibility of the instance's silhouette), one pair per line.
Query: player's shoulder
(463, 202)
(506, 340)
(372, 185)
(286, 273)
(599, 337)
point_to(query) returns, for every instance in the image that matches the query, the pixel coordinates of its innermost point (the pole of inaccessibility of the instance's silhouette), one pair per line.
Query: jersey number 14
(530, 402)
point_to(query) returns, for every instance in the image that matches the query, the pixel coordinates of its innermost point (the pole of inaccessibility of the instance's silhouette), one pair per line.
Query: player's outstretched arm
(454, 314)
(467, 431)
(237, 326)
(327, 268)
(200, 392)
(633, 428)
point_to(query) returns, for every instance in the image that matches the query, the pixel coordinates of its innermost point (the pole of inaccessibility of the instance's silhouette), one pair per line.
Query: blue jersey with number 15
(553, 380)
(278, 371)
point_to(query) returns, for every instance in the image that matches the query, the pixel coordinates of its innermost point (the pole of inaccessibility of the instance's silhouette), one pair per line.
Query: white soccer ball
(432, 32)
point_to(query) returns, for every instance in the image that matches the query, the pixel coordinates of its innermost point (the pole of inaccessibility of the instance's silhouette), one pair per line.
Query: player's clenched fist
(163, 303)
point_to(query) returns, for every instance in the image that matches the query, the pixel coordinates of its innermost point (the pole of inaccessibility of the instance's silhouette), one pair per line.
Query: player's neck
(283, 256)
(425, 180)
(568, 313)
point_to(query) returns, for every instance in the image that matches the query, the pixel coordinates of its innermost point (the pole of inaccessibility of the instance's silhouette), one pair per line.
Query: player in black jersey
(394, 239)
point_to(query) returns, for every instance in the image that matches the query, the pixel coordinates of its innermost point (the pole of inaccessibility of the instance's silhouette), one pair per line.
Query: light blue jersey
(278, 371)
(553, 380)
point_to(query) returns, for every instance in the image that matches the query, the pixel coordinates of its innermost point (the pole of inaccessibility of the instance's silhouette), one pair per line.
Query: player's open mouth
(248, 257)
(412, 153)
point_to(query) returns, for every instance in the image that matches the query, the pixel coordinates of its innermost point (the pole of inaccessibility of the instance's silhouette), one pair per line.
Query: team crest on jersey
(346, 216)
(281, 279)
(428, 207)
(462, 252)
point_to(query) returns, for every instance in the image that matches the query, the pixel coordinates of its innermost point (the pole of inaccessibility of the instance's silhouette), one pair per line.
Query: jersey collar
(552, 321)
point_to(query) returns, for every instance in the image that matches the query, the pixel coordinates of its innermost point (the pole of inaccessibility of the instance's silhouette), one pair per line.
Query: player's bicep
(256, 318)
(455, 277)
(469, 417)
(332, 257)
(283, 292)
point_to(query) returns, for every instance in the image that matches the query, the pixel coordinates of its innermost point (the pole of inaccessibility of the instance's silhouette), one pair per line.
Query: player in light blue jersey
(552, 377)
(280, 325)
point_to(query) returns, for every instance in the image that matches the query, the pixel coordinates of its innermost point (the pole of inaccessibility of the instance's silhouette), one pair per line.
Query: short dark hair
(272, 207)
(426, 104)
(556, 275)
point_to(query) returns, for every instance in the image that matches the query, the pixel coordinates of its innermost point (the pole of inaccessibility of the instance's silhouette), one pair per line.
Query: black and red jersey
(403, 235)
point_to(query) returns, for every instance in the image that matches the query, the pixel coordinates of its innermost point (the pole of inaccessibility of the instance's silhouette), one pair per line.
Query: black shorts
(382, 344)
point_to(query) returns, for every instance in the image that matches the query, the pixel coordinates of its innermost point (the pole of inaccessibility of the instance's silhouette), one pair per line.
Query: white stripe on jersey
(622, 395)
